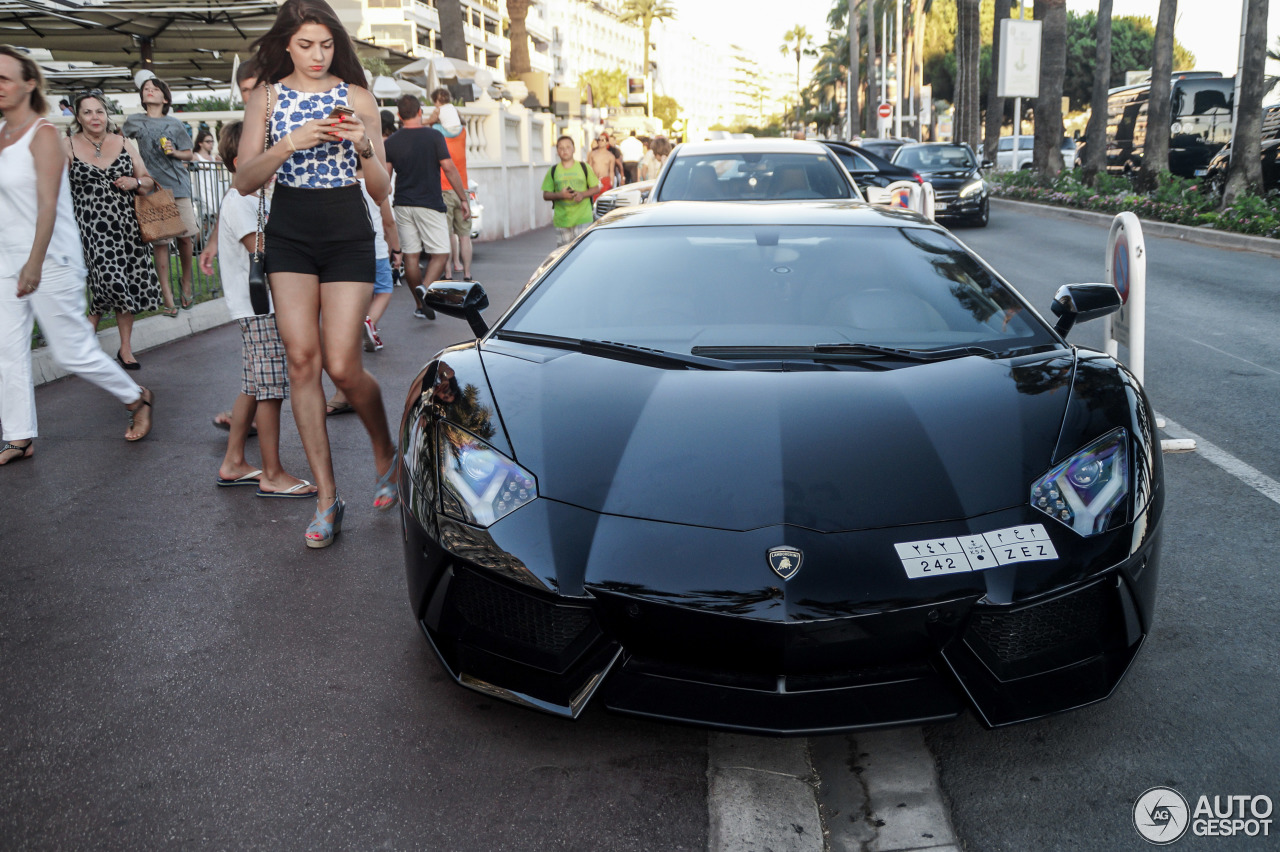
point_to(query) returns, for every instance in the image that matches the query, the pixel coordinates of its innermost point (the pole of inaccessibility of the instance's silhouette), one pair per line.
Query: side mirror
(987, 164)
(461, 299)
(1082, 302)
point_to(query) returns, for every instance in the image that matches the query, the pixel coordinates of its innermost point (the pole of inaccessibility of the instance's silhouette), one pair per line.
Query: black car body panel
(639, 577)
(881, 172)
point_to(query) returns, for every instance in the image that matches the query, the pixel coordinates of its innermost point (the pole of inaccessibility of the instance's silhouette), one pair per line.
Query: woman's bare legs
(162, 272)
(344, 306)
(124, 323)
(297, 302)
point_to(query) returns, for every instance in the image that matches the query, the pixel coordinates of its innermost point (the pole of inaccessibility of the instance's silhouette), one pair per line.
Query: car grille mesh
(1026, 632)
(518, 617)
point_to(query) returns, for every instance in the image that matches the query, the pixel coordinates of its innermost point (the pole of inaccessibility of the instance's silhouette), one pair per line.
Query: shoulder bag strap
(258, 241)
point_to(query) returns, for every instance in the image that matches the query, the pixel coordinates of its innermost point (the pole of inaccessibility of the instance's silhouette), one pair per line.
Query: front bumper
(773, 661)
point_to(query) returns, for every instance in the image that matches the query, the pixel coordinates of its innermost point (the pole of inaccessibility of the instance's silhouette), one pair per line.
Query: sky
(1209, 28)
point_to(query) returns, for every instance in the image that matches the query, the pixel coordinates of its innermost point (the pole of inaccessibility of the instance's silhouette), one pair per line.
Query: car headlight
(479, 485)
(1085, 490)
(971, 188)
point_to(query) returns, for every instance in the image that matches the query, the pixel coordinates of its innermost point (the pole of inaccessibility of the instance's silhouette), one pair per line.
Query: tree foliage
(665, 109)
(607, 86)
(1132, 49)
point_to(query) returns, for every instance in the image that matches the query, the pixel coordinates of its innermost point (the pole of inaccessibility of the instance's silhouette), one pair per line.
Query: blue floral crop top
(325, 166)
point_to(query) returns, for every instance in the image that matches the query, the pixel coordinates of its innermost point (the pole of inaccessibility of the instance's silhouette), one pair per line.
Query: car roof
(734, 146)
(690, 213)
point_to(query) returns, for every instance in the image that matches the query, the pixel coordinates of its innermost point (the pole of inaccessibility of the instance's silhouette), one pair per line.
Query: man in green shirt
(570, 187)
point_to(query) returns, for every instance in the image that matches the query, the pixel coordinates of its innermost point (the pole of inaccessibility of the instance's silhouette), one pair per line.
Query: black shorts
(322, 232)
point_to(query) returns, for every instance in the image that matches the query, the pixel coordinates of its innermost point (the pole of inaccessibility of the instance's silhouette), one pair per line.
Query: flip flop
(331, 410)
(225, 425)
(171, 313)
(250, 478)
(293, 493)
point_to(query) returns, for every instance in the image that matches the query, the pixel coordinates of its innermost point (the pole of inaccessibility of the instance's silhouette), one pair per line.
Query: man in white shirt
(632, 154)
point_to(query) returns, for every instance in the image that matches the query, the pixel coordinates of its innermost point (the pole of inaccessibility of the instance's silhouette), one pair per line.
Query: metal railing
(209, 183)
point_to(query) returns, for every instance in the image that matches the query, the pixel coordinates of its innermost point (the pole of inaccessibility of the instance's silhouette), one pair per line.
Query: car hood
(739, 450)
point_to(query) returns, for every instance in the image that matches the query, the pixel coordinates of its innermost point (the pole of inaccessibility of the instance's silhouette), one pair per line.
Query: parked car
(753, 170)
(627, 195)
(956, 175)
(871, 172)
(477, 209)
(1216, 175)
(1004, 153)
(779, 468)
(884, 148)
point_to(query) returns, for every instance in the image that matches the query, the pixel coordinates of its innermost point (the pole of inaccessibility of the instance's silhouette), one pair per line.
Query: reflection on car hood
(827, 450)
(953, 175)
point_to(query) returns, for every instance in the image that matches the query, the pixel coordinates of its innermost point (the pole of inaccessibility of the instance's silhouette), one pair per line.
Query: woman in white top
(42, 273)
(204, 152)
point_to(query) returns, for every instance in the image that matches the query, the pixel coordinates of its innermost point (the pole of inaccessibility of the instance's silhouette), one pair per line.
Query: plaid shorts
(265, 371)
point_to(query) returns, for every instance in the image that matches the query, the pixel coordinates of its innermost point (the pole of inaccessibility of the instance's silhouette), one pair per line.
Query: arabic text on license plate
(937, 556)
(938, 207)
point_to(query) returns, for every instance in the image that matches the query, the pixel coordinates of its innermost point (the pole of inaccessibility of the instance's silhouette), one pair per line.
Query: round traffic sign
(885, 110)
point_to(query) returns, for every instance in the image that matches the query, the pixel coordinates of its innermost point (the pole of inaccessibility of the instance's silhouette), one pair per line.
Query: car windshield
(934, 158)
(753, 176)
(676, 288)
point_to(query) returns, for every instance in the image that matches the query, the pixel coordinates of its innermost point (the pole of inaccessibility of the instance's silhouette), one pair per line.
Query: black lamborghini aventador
(784, 469)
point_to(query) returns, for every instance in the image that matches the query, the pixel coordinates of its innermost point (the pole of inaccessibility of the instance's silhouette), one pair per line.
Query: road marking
(1251, 476)
(1229, 355)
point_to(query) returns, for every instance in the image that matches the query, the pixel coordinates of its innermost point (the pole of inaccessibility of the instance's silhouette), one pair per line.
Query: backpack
(551, 173)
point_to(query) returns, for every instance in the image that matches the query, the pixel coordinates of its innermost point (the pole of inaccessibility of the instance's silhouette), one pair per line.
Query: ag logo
(1161, 815)
(785, 561)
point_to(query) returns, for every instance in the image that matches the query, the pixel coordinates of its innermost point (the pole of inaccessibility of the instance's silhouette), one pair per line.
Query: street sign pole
(1018, 68)
(1126, 267)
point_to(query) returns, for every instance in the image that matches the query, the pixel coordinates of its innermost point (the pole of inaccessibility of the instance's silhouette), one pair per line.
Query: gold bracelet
(288, 137)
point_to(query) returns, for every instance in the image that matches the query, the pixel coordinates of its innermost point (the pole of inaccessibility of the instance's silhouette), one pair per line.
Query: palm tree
(1245, 172)
(1047, 155)
(855, 50)
(870, 6)
(453, 38)
(646, 12)
(517, 12)
(797, 40)
(1095, 135)
(1156, 158)
(995, 103)
(968, 54)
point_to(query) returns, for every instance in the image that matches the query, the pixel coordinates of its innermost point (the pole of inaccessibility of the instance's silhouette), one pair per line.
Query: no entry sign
(885, 110)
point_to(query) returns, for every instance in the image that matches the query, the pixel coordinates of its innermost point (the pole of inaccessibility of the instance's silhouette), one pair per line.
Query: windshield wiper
(611, 349)
(852, 351)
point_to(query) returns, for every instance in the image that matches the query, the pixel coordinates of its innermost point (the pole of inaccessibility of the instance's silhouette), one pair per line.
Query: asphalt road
(1200, 709)
(178, 671)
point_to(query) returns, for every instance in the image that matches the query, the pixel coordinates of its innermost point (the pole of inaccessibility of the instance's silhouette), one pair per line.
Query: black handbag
(259, 297)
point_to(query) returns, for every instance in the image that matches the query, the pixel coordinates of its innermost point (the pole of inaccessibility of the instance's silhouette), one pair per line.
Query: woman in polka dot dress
(104, 175)
(319, 240)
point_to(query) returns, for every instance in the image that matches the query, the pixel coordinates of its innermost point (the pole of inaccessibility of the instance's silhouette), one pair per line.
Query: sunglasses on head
(89, 93)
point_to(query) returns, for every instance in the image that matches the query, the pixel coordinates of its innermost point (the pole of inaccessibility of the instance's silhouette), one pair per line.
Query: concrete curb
(147, 334)
(760, 796)
(1199, 236)
(876, 792)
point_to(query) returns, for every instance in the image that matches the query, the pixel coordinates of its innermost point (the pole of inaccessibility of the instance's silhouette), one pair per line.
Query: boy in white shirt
(265, 371)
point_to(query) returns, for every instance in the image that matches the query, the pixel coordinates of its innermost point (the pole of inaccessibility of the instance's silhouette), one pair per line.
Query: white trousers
(59, 304)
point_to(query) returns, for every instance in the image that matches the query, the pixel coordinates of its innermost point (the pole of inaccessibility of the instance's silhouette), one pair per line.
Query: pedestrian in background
(459, 225)
(42, 266)
(319, 241)
(265, 370)
(605, 161)
(570, 187)
(104, 175)
(204, 152)
(632, 153)
(655, 154)
(165, 147)
(417, 156)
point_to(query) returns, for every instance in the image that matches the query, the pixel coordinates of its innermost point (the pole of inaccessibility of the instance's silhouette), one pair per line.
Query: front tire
(983, 216)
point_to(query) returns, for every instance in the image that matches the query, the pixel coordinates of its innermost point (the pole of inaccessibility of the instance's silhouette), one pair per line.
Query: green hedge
(1175, 199)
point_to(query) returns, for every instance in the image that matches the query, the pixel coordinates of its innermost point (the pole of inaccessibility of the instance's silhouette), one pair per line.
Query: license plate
(1008, 546)
(939, 206)
(1201, 172)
